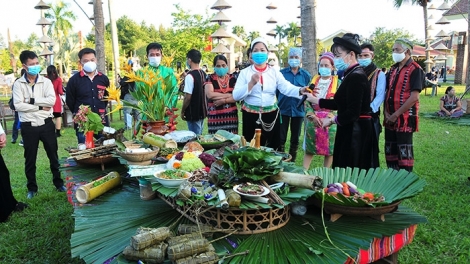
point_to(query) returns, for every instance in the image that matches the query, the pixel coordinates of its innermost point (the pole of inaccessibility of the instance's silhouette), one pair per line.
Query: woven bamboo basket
(252, 221)
(138, 157)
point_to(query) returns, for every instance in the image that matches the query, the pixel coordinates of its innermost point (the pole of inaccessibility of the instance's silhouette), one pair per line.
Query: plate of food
(251, 190)
(172, 178)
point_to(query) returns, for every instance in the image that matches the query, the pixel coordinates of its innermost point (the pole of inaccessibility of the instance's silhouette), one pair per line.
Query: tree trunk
(114, 39)
(99, 35)
(12, 55)
(309, 35)
(426, 34)
(467, 78)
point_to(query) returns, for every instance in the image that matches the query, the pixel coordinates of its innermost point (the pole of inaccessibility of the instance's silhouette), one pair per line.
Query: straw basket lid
(139, 157)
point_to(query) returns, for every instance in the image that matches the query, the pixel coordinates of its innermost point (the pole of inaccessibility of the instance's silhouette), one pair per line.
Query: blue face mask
(221, 71)
(188, 65)
(294, 63)
(259, 57)
(324, 71)
(34, 70)
(340, 64)
(364, 62)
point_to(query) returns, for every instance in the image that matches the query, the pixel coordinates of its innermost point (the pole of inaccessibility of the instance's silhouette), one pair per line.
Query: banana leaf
(103, 230)
(392, 184)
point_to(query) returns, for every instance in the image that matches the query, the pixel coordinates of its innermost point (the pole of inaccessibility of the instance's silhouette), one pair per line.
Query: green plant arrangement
(87, 120)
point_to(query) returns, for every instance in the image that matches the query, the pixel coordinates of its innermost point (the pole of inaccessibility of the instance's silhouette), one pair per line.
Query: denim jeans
(196, 126)
(130, 113)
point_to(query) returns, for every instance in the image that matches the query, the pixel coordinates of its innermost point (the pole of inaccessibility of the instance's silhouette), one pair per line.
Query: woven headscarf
(295, 52)
(405, 42)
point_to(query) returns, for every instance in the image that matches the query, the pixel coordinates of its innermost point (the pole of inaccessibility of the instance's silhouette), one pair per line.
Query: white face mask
(155, 61)
(89, 66)
(398, 57)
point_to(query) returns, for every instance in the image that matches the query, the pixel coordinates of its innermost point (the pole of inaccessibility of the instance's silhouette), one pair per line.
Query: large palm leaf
(103, 230)
(392, 184)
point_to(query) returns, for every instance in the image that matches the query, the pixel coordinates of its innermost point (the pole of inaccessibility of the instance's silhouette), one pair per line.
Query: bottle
(146, 192)
(257, 138)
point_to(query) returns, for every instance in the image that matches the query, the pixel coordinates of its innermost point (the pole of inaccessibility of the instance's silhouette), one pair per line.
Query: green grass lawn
(42, 232)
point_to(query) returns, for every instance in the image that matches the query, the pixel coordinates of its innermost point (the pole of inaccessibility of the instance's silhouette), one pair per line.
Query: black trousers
(269, 139)
(399, 150)
(295, 128)
(7, 200)
(31, 136)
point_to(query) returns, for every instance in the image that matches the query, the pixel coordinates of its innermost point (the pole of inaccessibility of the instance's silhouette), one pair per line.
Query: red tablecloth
(385, 246)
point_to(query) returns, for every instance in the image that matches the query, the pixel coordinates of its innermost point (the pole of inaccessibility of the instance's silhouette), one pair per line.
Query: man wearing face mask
(33, 97)
(290, 114)
(405, 81)
(88, 87)
(154, 55)
(377, 84)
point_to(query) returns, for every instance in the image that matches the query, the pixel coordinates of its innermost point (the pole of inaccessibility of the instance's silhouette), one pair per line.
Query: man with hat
(405, 81)
(290, 114)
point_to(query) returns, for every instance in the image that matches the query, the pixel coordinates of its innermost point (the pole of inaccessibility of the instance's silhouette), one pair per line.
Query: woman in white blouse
(256, 86)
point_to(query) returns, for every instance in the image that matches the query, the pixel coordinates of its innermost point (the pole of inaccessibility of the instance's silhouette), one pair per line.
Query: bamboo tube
(187, 249)
(154, 254)
(147, 239)
(298, 180)
(203, 258)
(88, 192)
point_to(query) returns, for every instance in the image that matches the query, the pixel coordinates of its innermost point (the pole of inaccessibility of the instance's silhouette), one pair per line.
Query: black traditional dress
(7, 200)
(355, 133)
(225, 116)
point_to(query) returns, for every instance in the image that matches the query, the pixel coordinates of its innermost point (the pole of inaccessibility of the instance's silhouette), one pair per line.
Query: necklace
(267, 126)
(223, 83)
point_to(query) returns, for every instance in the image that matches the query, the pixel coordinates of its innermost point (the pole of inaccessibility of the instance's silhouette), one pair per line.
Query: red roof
(419, 51)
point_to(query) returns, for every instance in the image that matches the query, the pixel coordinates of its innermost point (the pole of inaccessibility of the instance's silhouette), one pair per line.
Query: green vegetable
(192, 164)
(252, 163)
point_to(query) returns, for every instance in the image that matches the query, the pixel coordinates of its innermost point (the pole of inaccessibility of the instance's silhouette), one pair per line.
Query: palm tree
(252, 35)
(280, 32)
(61, 18)
(293, 31)
(424, 4)
(99, 35)
(309, 34)
(239, 31)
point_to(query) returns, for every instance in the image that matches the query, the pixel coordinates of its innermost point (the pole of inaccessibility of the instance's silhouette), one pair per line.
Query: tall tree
(99, 35)
(383, 42)
(239, 31)
(280, 34)
(61, 18)
(309, 34)
(252, 35)
(293, 31)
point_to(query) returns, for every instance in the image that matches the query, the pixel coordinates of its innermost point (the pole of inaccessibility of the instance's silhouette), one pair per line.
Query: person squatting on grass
(405, 80)
(8, 203)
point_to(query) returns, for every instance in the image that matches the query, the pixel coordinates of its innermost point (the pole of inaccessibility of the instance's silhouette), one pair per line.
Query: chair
(6, 114)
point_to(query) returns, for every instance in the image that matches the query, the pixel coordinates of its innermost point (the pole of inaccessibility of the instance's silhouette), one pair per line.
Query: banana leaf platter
(394, 185)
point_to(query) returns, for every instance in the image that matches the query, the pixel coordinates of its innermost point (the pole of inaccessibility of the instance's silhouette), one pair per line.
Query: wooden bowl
(138, 157)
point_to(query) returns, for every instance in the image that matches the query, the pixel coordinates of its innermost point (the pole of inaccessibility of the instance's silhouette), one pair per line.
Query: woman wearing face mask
(320, 140)
(256, 86)
(222, 109)
(354, 136)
